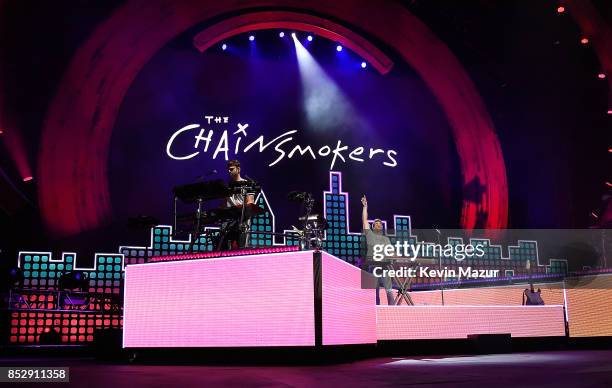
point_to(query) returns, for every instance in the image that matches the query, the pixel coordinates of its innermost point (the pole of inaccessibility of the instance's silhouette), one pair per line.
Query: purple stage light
(363, 65)
(282, 34)
(223, 47)
(251, 37)
(309, 38)
(293, 35)
(338, 48)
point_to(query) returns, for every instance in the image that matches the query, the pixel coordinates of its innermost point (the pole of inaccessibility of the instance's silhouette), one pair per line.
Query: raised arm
(364, 213)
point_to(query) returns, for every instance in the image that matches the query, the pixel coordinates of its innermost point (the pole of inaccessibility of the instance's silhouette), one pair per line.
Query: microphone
(211, 172)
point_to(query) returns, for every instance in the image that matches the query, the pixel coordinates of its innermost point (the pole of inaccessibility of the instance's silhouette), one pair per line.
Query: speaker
(108, 344)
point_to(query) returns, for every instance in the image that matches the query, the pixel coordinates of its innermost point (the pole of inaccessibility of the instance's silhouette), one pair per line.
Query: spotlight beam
(13, 140)
(325, 105)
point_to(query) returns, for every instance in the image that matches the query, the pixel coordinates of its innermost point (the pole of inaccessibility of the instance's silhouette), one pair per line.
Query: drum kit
(218, 224)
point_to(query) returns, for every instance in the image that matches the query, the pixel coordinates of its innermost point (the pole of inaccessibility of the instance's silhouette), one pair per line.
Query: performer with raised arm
(376, 236)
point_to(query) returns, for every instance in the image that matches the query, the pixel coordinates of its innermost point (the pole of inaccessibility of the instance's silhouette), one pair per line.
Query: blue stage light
(338, 48)
(282, 34)
(223, 47)
(309, 38)
(293, 35)
(363, 65)
(252, 38)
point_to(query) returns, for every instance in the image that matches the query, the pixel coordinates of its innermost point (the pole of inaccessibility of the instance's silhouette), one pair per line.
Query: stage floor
(534, 369)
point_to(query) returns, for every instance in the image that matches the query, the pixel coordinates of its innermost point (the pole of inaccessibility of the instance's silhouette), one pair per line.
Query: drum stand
(196, 232)
(243, 227)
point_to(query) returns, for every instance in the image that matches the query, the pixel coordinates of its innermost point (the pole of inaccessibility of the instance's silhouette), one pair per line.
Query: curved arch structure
(73, 183)
(299, 22)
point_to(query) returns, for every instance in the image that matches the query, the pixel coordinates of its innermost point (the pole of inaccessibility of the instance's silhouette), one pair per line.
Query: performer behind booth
(375, 236)
(235, 234)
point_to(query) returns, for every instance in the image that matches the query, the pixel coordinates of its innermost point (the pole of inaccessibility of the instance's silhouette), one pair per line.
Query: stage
(307, 193)
(535, 369)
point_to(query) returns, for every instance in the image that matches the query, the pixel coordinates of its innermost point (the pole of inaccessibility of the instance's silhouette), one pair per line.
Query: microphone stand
(438, 233)
(243, 227)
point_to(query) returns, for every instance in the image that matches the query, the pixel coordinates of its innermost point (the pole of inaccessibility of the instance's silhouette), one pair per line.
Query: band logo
(229, 144)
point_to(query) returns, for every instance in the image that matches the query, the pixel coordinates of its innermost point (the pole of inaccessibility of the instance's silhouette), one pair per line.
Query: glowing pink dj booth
(299, 299)
(281, 299)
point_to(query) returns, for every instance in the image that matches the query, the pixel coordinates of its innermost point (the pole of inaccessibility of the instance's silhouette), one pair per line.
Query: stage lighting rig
(74, 286)
(74, 281)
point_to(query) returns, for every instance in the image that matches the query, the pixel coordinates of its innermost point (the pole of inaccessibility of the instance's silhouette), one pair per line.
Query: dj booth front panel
(249, 301)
